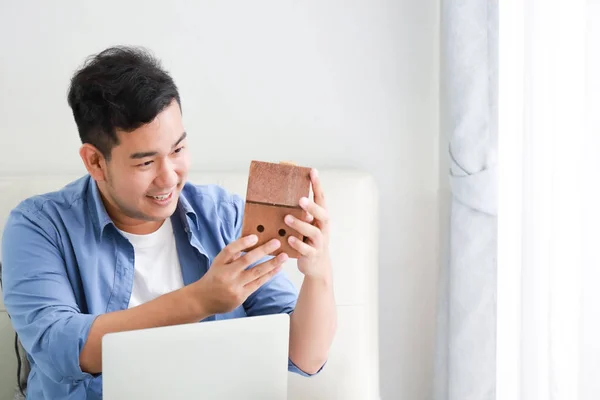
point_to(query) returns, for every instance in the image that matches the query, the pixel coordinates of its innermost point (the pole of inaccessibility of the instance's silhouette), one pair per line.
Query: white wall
(590, 324)
(336, 83)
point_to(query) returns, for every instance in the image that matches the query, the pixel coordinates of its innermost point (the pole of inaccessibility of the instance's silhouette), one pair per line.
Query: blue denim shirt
(65, 263)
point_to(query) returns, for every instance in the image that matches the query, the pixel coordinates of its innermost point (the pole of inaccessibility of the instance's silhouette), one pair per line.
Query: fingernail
(315, 172)
(252, 239)
(292, 239)
(289, 219)
(282, 257)
(303, 201)
(274, 244)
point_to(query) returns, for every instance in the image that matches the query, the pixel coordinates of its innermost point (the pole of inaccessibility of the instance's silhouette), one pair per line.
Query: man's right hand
(228, 282)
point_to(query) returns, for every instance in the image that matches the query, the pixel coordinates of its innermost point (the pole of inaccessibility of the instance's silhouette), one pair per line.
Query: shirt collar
(96, 206)
(187, 209)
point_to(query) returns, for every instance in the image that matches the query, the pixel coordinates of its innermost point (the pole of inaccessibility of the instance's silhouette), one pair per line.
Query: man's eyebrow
(183, 136)
(145, 154)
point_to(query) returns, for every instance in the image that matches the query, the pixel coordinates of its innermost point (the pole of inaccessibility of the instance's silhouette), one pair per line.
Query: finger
(233, 250)
(317, 188)
(308, 217)
(261, 270)
(301, 247)
(305, 229)
(255, 255)
(257, 283)
(314, 209)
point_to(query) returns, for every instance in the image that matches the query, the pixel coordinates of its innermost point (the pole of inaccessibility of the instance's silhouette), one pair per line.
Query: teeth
(161, 197)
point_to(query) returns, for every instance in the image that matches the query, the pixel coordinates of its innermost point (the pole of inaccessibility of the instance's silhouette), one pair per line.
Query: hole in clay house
(260, 228)
(282, 232)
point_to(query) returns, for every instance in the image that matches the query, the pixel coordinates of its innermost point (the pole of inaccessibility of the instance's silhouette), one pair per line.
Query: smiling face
(141, 183)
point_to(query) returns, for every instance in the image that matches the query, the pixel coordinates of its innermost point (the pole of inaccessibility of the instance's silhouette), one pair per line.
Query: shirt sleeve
(39, 299)
(277, 295)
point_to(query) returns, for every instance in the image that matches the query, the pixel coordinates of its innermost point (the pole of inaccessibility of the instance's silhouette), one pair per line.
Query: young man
(132, 245)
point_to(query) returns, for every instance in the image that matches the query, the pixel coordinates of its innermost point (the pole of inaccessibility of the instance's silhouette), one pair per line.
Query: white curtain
(548, 315)
(466, 325)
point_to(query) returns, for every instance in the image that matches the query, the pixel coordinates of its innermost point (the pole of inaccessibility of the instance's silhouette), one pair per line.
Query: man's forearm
(174, 308)
(313, 324)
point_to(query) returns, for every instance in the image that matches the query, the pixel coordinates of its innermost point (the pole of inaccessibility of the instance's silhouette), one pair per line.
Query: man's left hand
(314, 260)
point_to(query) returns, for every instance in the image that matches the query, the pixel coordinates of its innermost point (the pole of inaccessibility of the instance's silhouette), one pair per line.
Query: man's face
(146, 173)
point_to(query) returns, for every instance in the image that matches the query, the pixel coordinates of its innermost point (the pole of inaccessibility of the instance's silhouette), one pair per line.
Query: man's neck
(138, 227)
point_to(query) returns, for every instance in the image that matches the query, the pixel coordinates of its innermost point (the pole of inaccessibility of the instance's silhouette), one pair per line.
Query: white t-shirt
(156, 270)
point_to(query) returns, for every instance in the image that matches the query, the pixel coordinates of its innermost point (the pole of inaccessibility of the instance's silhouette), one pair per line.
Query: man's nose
(167, 177)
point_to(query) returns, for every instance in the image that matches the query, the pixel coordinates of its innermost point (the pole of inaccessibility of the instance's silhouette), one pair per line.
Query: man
(131, 245)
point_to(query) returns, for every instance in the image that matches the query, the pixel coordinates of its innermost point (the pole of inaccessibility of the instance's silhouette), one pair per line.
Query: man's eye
(179, 149)
(147, 163)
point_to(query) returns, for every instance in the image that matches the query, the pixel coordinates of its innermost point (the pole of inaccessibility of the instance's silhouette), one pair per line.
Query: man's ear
(94, 162)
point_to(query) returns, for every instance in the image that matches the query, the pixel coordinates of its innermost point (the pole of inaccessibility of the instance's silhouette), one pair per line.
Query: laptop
(243, 358)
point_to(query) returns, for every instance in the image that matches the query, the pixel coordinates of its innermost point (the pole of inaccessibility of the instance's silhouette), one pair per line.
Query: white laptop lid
(243, 358)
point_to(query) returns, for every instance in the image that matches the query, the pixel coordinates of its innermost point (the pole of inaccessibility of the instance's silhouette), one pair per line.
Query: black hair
(119, 88)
